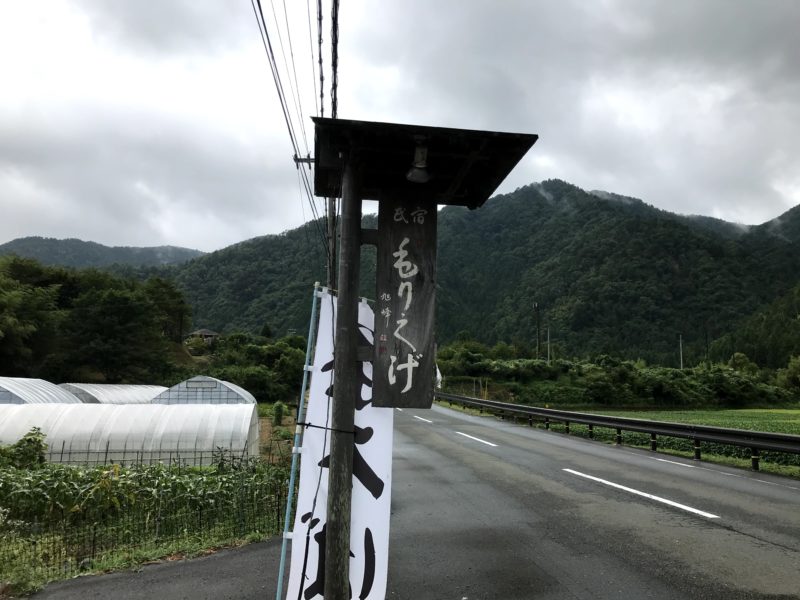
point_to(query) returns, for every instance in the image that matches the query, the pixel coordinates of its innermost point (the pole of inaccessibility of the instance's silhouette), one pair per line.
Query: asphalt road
(520, 519)
(484, 509)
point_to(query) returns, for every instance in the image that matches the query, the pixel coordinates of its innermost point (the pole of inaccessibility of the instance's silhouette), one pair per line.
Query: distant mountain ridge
(610, 274)
(72, 252)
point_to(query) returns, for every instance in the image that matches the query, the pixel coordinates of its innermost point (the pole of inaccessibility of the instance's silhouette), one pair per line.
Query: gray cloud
(117, 182)
(693, 107)
(174, 26)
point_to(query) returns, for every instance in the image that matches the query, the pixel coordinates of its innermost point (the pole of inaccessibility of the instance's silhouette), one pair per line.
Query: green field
(776, 420)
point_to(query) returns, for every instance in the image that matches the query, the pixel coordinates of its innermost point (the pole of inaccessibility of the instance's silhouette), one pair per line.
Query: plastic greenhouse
(105, 393)
(205, 390)
(19, 390)
(91, 434)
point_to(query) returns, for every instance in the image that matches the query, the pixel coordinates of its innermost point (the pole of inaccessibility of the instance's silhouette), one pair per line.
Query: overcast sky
(155, 122)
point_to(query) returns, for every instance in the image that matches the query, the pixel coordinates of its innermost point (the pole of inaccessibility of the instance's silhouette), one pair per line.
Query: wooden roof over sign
(466, 166)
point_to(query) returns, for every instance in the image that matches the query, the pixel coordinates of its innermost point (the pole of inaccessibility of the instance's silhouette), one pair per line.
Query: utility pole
(680, 348)
(536, 313)
(346, 387)
(548, 345)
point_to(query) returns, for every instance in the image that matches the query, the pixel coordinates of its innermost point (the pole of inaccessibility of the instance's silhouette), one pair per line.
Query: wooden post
(346, 388)
(331, 242)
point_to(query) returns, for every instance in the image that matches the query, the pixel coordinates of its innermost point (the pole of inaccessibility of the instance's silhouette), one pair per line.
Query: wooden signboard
(404, 365)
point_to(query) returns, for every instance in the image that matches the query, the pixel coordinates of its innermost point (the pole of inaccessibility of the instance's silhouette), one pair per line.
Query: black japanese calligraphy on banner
(404, 361)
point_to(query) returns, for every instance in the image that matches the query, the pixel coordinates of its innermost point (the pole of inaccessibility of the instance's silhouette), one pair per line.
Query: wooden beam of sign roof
(465, 166)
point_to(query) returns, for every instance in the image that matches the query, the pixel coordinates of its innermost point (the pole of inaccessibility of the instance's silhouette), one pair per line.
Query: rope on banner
(300, 407)
(326, 428)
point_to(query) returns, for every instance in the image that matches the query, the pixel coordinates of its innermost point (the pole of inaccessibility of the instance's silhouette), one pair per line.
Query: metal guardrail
(757, 441)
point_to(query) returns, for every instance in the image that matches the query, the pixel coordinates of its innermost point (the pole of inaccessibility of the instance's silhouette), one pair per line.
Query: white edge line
(645, 495)
(674, 462)
(400, 409)
(477, 439)
(421, 419)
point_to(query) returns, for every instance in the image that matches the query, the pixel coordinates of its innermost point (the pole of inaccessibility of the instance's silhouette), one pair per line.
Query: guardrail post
(619, 437)
(566, 427)
(530, 420)
(591, 431)
(481, 408)
(755, 456)
(653, 442)
(547, 422)
(696, 449)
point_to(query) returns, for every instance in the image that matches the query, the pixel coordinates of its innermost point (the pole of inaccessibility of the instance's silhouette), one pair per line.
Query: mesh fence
(109, 522)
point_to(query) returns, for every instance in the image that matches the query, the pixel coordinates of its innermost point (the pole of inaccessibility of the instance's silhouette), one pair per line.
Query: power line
(334, 57)
(267, 43)
(319, 60)
(311, 54)
(294, 88)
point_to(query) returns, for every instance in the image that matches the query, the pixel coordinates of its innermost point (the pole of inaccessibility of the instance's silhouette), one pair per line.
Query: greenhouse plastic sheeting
(19, 390)
(107, 393)
(93, 434)
(205, 390)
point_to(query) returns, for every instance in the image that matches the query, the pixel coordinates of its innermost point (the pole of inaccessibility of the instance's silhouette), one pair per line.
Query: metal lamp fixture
(418, 173)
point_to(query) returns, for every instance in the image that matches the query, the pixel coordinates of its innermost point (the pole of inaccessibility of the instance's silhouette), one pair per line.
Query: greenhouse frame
(205, 390)
(21, 390)
(96, 434)
(107, 393)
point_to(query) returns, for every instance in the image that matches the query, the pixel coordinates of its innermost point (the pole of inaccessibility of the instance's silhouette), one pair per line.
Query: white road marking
(477, 439)
(400, 409)
(674, 462)
(644, 494)
(421, 419)
(778, 484)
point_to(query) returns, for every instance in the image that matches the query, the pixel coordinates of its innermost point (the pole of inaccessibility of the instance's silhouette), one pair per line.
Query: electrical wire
(268, 48)
(334, 58)
(293, 87)
(311, 54)
(319, 60)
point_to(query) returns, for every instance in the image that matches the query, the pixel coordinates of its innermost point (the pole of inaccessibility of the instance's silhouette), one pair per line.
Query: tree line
(86, 325)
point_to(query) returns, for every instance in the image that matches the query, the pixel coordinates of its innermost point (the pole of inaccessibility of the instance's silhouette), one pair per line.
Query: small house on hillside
(206, 335)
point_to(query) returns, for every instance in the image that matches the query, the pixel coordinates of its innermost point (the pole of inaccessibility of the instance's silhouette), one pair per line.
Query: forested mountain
(610, 274)
(80, 254)
(263, 281)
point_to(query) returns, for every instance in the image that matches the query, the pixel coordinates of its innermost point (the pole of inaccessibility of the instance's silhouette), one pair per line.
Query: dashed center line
(421, 419)
(644, 494)
(477, 439)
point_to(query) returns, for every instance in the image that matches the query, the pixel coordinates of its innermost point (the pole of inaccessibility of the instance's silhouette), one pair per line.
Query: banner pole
(300, 407)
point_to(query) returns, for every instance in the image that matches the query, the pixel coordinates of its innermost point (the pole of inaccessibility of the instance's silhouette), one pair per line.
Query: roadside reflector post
(653, 442)
(755, 456)
(696, 449)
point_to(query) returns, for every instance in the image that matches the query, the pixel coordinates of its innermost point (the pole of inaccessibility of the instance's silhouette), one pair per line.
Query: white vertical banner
(372, 475)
